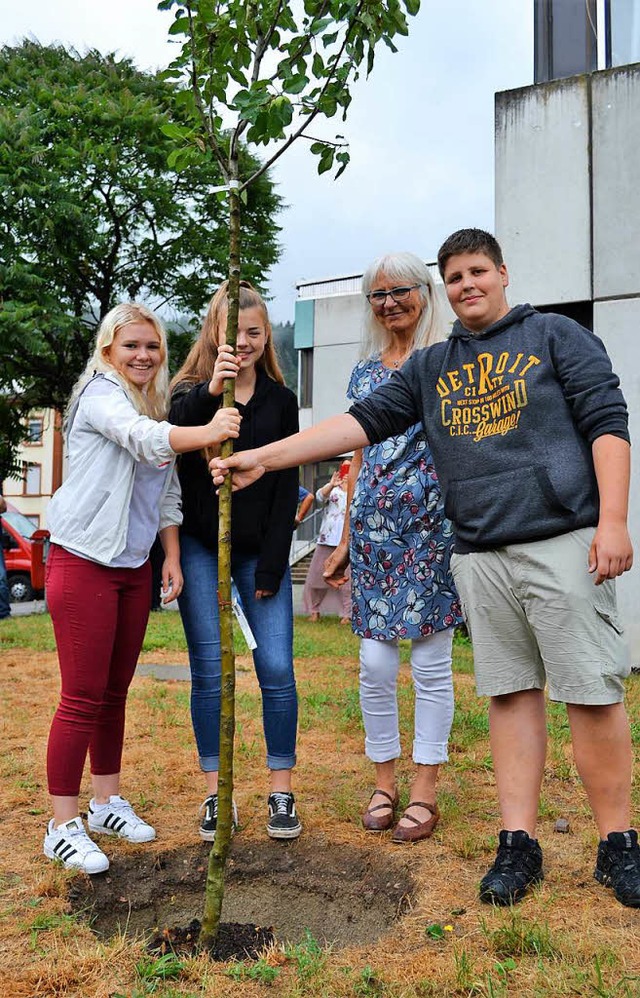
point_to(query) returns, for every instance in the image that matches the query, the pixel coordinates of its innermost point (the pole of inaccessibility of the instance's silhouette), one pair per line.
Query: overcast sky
(420, 128)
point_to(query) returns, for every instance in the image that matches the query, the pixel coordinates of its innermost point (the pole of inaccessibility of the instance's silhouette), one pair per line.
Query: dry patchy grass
(570, 938)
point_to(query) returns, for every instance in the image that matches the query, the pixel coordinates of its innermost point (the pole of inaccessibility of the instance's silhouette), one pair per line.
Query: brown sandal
(374, 823)
(422, 829)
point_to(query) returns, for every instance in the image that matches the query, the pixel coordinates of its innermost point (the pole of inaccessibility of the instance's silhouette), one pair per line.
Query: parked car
(24, 550)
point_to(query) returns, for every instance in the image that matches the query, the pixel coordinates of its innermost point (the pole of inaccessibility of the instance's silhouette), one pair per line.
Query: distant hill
(287, 354)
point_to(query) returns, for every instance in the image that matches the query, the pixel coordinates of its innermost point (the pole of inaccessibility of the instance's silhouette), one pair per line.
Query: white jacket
(106, 436)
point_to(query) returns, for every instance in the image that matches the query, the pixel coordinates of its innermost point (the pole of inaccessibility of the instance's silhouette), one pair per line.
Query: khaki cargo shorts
(536, 618)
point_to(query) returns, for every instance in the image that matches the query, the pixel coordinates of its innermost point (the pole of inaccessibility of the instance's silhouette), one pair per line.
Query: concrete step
(300, 569)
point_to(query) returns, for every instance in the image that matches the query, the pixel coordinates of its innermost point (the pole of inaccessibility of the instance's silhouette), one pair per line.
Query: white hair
(405, 268)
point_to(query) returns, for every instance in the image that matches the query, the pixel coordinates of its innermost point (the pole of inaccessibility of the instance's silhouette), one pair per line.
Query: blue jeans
(271, 621)
(5, 609)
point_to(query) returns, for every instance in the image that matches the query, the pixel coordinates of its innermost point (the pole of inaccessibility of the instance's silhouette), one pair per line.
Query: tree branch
(292, 138)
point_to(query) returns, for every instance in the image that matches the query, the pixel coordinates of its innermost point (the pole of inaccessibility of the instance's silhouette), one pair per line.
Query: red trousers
(99, 619)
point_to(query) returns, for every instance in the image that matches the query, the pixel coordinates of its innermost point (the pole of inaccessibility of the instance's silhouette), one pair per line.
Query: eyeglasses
(378, 298)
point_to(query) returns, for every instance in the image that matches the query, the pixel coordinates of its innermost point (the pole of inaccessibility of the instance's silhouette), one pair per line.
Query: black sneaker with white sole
(209, 822)
(283, 820)
(618, 866)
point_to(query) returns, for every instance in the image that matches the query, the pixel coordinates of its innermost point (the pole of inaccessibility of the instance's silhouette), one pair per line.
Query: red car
(24, 550)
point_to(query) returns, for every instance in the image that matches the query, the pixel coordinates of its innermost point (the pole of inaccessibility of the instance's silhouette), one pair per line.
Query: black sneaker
(618, 866)
(517, 867)
(283, 821)
(209, 823)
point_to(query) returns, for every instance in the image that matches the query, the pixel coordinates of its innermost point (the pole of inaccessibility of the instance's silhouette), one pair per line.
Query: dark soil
(235, 941)
(343, 895)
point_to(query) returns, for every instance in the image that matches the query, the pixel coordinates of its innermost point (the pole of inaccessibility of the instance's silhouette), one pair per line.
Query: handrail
(305, 536)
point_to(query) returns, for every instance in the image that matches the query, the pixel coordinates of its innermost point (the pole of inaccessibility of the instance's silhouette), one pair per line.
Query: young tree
(92, 214)
(261, 72)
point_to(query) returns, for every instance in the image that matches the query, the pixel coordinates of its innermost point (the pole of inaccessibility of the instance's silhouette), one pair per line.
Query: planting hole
(342, 895)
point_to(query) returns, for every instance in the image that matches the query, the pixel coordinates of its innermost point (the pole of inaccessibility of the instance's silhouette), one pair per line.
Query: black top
(262, 515)
(511, 414)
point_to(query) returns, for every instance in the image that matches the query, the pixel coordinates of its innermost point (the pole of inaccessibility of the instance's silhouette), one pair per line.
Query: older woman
(400, 545)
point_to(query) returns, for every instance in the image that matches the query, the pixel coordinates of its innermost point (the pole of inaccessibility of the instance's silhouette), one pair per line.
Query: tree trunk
(214, 890)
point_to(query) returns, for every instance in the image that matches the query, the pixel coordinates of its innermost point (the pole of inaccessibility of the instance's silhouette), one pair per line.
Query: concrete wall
(543, 191)
(567, 211)
(616, 186)
(617, 323)
(337, 335)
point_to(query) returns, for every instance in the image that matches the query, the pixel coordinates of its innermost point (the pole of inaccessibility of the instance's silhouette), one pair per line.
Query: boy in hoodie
(528, 429)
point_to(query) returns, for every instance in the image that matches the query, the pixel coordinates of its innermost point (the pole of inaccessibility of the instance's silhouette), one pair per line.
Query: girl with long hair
(261, 528)
(120, 490)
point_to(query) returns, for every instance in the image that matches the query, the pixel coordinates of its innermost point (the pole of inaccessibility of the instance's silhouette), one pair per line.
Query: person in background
(333, 496)
(5, 606)
(120, 491)
(305, 502)
(261, 531)
(399, 543)
(529, 430)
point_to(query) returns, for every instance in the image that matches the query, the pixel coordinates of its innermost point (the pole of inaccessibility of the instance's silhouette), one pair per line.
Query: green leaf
(295, 84)
(180, 26)
(173, 131)
(435, 931)
(343, 158)
(326, 159)
(329, 38)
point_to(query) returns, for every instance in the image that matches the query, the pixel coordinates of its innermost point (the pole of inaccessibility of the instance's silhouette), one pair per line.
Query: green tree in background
(261, 72)
(91, 213)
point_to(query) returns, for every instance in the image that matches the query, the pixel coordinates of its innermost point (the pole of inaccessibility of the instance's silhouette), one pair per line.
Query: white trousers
(433, 683)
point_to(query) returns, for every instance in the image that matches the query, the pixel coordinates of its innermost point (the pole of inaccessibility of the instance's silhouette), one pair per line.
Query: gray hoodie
(511, 414)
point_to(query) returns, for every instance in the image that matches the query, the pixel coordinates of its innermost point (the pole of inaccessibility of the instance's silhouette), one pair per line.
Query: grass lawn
(570, 938)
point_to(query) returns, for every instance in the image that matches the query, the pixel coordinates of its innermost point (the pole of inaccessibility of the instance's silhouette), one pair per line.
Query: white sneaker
(117, 817)
(70, 844)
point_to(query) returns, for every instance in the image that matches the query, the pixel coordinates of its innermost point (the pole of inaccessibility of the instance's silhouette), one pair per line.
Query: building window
(306, 379)
(35, 430)
(32, 479)
(622, 25)
(579, 311)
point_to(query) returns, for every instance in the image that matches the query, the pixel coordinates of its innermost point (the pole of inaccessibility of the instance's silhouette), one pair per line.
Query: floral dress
(401, 541)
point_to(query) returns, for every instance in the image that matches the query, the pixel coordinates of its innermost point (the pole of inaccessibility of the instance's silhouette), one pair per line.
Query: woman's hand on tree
(226, 366)
(225, 425)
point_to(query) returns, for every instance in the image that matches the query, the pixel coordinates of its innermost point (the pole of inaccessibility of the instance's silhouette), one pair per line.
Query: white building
(41, 459)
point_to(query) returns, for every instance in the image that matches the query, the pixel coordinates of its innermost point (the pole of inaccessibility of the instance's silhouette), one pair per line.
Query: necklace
(400, 360)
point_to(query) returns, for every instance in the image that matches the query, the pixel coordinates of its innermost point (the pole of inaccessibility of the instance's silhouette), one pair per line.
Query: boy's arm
(611, 552)
(391, 409)
(336, 435)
